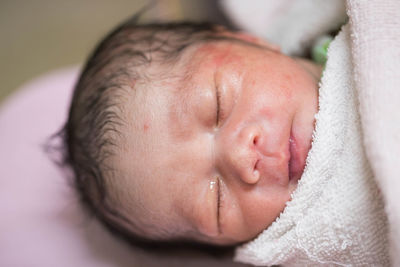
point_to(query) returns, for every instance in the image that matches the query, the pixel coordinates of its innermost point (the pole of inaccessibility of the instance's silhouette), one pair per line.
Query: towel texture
(336, 216)
(375, 47)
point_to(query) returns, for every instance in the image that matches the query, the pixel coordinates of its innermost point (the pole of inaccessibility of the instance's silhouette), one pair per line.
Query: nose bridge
(237, 157)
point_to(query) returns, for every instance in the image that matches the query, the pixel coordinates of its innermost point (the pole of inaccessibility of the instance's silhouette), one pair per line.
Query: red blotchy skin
(219, 57)
(146, 127)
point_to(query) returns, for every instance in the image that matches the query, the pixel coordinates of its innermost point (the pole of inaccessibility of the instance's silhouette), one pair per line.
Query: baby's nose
(239, 155)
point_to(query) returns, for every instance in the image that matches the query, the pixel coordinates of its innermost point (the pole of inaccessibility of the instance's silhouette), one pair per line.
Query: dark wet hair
(93, 128)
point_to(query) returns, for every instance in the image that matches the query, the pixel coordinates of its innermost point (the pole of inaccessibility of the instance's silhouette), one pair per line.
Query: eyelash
(219, 107)
(220, 202)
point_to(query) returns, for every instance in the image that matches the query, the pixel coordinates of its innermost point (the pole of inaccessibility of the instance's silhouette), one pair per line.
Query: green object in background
(319, 50)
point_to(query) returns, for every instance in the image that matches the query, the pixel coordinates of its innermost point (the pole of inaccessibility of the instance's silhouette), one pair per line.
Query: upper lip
(279, 170)
(284, 165)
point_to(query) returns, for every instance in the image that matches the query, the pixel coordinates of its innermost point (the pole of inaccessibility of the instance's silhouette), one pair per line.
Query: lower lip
(296, 164)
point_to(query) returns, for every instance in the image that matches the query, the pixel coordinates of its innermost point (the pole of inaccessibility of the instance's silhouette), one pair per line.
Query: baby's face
(215, 153)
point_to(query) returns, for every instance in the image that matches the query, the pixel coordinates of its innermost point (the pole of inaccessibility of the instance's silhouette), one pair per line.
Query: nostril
(256, 173)
(255, 165)
(255, 140)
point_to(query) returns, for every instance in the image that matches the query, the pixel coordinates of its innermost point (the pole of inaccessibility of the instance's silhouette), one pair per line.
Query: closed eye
(219, 203)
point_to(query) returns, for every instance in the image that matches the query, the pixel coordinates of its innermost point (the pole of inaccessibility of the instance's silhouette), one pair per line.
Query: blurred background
(42, 35)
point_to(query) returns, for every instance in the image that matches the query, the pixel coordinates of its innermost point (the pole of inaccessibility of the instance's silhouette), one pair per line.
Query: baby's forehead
(216, 46)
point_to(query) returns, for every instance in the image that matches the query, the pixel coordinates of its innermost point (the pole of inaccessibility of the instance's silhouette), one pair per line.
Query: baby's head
(189, 132)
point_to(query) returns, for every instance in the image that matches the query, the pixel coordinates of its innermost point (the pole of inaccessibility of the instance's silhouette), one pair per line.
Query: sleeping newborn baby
(190, 132)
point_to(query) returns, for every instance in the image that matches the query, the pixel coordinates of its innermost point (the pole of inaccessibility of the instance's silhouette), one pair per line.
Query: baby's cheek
(233, 221)
(286, 87)
(259, 210)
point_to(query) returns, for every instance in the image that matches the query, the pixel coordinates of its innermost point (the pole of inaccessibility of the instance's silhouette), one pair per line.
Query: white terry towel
(336, 216)
(375, 36)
